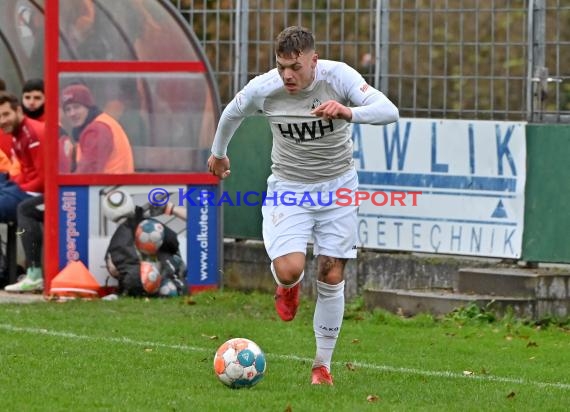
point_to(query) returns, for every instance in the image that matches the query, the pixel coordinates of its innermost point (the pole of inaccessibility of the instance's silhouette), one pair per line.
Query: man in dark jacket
(127, 263)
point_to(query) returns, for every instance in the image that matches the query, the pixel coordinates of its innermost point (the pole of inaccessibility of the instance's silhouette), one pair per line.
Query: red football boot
(287, 301)
(321, 375)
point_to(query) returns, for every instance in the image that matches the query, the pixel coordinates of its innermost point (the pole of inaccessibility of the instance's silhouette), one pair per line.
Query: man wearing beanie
(102, 144)
(28, 135)
(33, 99)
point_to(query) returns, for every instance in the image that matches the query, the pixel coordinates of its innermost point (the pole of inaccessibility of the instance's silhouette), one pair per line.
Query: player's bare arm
(332, 109)
(219, 167)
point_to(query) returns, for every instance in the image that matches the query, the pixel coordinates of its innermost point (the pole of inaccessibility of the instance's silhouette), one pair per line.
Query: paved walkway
(6, 297)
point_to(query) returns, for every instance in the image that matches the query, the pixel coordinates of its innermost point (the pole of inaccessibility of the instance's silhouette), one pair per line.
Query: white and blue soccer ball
(167, 288)
(239, 363)
(149, 236)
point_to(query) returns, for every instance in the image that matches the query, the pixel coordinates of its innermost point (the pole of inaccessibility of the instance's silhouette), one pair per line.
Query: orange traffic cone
(74, 281)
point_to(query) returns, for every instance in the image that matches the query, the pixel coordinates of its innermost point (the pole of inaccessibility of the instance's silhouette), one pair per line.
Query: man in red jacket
(102, 146)
(28, 135)
(5, 145)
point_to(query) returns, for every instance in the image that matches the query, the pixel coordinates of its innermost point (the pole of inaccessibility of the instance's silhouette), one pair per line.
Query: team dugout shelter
(145, 68)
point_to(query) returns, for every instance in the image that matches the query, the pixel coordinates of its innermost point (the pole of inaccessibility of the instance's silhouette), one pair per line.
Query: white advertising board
(468, 178)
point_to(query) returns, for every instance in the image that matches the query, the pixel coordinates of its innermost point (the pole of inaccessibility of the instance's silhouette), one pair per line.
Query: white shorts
(295, 214)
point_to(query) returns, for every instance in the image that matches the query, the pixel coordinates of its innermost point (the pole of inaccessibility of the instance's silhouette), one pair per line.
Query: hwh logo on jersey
(306, 130)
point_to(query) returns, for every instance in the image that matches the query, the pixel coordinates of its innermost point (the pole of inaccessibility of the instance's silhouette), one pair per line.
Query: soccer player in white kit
(309, 104)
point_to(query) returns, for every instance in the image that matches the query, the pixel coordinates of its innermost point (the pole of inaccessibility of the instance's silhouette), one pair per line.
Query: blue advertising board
(74, 225)
(202, 237)
(86, 231)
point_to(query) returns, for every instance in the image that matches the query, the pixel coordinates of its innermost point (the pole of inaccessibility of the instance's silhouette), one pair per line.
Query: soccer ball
(118, 204)
(149, 236)
(239, 363)
(167, 288)
(151, 278)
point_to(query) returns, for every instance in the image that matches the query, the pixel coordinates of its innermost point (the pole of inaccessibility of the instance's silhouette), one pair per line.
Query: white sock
(282, 284)
(327, 321)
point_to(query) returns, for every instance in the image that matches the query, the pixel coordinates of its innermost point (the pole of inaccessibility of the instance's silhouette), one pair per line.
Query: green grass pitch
(157, 355)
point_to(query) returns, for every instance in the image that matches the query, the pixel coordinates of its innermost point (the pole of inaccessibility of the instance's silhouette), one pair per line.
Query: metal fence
(493, 59)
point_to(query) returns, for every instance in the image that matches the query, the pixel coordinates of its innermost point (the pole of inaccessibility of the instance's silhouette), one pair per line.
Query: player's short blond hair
(294, 41)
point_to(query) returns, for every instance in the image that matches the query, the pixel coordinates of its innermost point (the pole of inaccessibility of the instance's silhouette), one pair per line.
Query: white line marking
(71, 335)
(385, 368)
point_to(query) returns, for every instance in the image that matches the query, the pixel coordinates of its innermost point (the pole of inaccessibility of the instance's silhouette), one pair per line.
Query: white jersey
(307, 148)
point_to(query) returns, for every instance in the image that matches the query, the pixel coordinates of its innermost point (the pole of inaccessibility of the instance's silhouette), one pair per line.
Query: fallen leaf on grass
(355, 341)
(468, 373)
(288, 409)
(372, 398)
(350, 366)
(511, 395)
